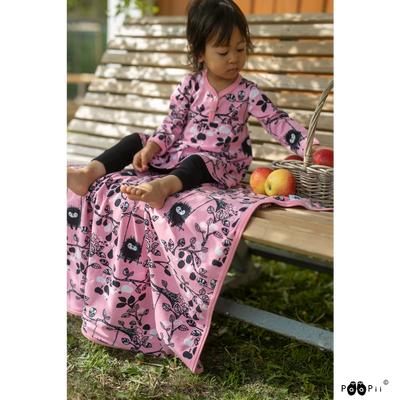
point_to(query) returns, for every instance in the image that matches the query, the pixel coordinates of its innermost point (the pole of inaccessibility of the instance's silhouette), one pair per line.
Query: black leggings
(192, 171)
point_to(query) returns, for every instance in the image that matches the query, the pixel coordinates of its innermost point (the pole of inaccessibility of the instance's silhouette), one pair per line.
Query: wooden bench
(292, 63)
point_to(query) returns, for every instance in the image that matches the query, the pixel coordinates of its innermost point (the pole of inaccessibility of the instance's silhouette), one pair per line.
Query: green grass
(241, 362)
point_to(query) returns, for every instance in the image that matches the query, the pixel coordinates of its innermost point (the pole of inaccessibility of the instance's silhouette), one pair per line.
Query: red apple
(280, 183)
(323, 157)
(258, 178)
(293, 157)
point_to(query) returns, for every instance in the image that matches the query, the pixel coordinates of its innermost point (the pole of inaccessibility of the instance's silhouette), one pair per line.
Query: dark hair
(213, 20)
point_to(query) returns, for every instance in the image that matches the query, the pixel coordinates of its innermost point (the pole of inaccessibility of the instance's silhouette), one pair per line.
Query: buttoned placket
(217, 96)
(213, 109)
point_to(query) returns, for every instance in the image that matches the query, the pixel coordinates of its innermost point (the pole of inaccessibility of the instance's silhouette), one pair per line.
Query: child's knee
(133, 141)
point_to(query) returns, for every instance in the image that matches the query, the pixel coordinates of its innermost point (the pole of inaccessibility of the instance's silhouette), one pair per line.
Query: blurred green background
(86, 39)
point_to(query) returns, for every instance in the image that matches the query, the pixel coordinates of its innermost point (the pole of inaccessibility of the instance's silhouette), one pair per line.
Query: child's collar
(229, 89)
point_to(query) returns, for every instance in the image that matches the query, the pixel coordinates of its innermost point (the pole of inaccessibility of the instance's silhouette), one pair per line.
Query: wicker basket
(314, 182)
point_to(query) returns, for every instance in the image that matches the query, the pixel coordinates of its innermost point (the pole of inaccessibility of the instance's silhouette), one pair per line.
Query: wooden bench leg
(275, 323)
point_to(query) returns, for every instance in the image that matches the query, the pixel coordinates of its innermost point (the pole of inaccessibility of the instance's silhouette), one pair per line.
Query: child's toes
(140, 193)
(127, 189)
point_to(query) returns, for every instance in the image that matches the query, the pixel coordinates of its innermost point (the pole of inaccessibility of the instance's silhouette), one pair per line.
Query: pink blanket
(147, 280)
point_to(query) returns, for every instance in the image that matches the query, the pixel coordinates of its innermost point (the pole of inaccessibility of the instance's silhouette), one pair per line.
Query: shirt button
(212, 110)
(215, 98)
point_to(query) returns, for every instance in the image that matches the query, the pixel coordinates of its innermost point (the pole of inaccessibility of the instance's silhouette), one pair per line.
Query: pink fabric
(213, 125)
(147, 280)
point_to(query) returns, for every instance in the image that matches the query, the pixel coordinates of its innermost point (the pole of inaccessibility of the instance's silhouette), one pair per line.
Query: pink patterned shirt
(213, 126)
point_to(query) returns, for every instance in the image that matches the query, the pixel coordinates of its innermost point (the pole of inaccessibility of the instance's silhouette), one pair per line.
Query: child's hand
(143, 157)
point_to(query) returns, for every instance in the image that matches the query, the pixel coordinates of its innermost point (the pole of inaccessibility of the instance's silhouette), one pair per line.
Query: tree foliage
(91, 10)
(96, 10)
(147, 7)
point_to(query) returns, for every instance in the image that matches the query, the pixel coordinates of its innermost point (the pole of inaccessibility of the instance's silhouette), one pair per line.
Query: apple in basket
(323, 157)
(258, 178)
(294, 157)
(280, 182)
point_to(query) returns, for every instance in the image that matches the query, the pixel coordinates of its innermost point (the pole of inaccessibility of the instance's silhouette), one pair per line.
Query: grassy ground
(240, 361)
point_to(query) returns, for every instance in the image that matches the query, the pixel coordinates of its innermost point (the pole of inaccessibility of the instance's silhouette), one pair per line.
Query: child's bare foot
(79, 180)
(154, 193)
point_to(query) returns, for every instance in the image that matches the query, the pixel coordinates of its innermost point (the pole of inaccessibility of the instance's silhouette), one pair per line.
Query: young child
(205, 137)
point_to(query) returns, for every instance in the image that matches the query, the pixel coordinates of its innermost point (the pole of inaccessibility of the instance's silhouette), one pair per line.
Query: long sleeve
(285, 130)
(173, 125)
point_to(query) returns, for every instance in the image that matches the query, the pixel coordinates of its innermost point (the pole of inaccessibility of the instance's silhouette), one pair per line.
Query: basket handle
(308, 156)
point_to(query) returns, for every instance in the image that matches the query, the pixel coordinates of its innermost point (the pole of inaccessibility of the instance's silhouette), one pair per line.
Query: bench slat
(292, 31)
(292, 65)
(146, 59)
(273, 48)
(282, 48)
(325, 218)
(288, 82)
(84, 154)
(155, 74)
(251, 19)
(112, 130)
(313, 224)
(138, 118)
(79, 78)
(269, 152)
(325, 121)
(254, 165)
(290, 17)
(140, 88)
(148, 104)
(77, 159)
(302, 211)
(96, 142)
(82, 150)
(148, 44)
(152, 31)
(157, 19)
(289, 237)
(254, 63)
(257, 30)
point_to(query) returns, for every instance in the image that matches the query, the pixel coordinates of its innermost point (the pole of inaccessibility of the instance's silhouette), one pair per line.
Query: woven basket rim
(299, 165)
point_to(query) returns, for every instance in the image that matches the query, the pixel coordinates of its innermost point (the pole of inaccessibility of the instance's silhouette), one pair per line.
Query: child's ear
(198, 59)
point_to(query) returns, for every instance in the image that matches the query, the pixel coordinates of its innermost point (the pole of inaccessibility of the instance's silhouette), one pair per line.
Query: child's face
(225, 62)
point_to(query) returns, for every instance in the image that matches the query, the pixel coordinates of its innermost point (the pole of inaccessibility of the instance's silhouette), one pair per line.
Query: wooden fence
(178, 7)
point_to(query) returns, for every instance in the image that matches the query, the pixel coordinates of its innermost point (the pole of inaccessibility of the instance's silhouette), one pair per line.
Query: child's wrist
(153, 146)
